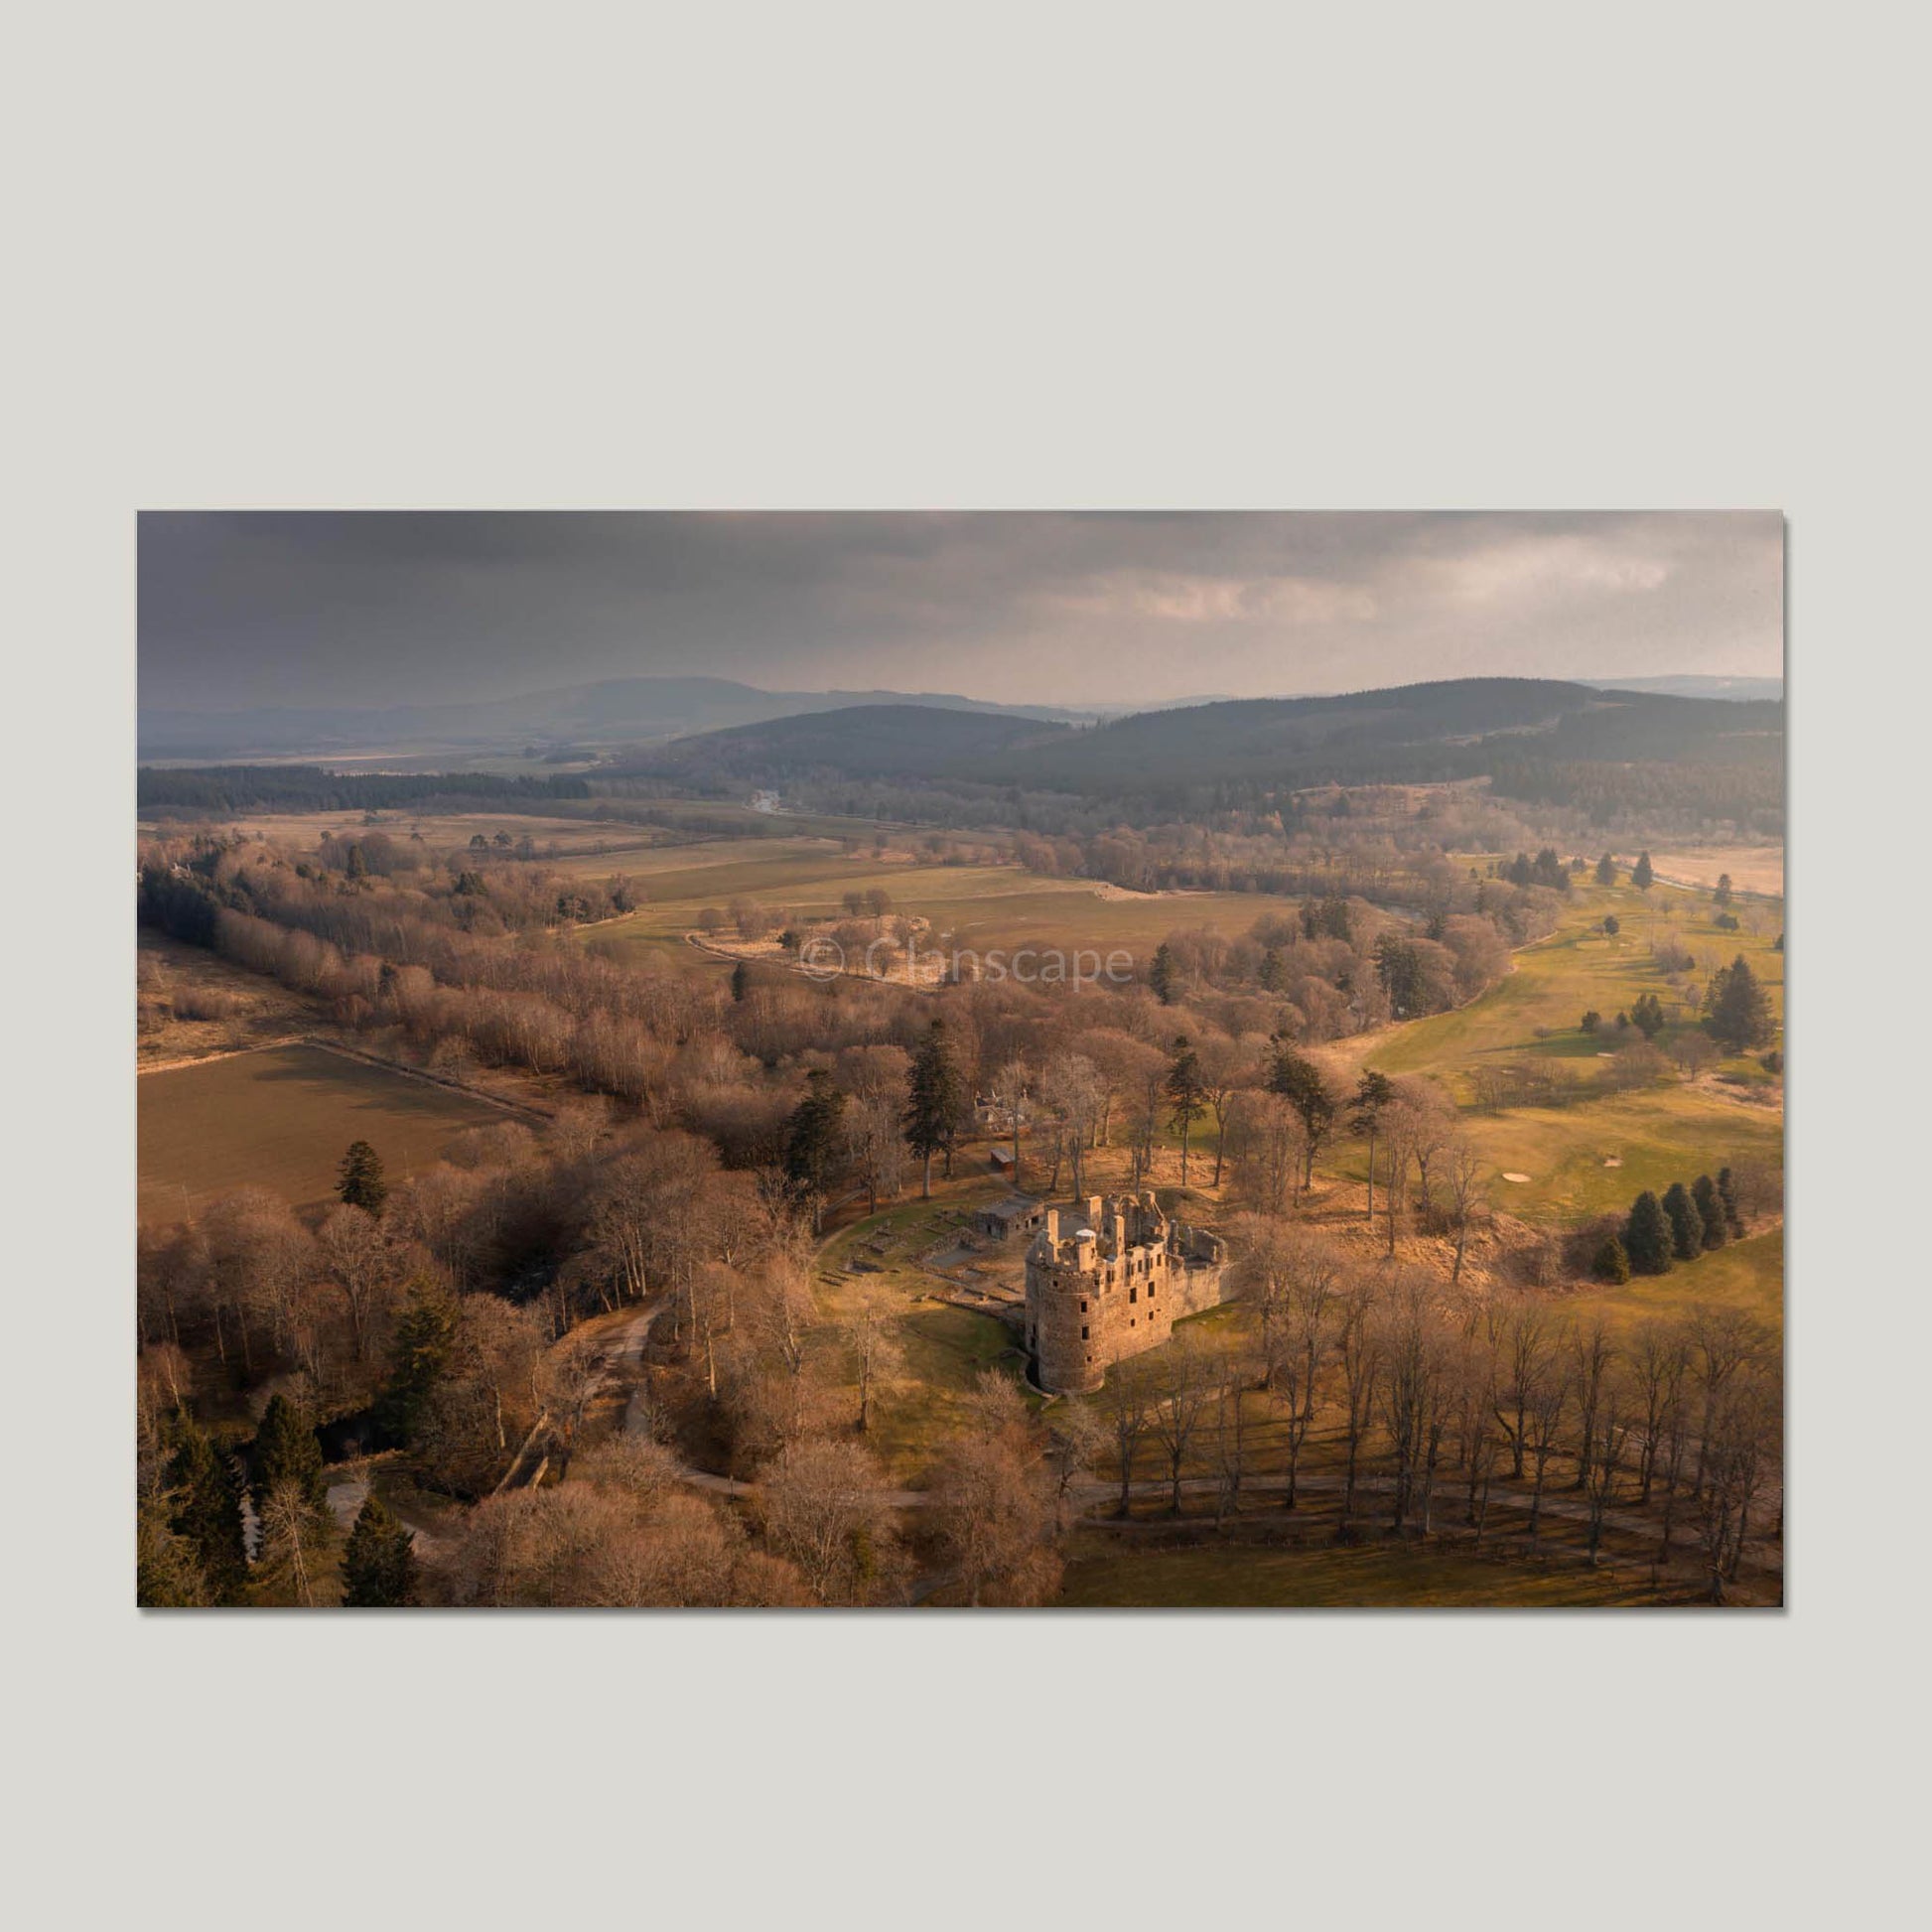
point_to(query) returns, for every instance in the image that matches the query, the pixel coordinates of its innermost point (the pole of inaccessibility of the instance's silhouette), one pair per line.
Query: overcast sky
(324, 608)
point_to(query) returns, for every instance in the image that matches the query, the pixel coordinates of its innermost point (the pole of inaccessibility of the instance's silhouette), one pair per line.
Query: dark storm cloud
(365, 609)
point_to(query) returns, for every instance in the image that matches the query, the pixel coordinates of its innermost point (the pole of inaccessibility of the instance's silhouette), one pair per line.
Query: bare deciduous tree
(876, 1354)
(994, 1502)
(1125, 1398)
(1072, 1086)
(1008, 1095)
(1547, 1401)
(1592, 1354)
(1462, 1179)
(824, 1507)
(361, 1264)
(1076, 1433)
(1291, 1275)
(1519, 1335)
(1415, 1384)
(1604, 1448)
(1182, 1387)
(1358, 1348)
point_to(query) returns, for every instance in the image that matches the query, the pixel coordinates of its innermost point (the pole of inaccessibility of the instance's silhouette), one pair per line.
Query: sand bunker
(1516, 1176)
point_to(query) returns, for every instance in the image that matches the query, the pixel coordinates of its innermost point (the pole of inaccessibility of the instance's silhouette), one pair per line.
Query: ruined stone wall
(1109, 1281)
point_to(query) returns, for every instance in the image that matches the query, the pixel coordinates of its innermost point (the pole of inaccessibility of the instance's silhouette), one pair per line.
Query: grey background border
(1060, 256)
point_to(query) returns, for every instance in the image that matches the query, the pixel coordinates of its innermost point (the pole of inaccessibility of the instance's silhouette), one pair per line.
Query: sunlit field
(979, 907)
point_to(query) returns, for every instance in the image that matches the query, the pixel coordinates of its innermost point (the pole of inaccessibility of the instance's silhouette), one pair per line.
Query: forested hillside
(1604, 754)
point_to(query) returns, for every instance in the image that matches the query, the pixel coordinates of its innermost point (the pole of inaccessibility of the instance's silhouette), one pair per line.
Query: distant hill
(1535, 739)
(614, 712)
(1414, 733)
(887, 741)
(1736, 688)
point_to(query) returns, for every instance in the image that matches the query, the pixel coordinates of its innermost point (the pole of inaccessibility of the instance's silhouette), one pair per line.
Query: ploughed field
(280, 1119)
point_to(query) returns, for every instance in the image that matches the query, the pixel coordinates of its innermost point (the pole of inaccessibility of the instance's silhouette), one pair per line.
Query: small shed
(1015, 1214)
(1002, 1162)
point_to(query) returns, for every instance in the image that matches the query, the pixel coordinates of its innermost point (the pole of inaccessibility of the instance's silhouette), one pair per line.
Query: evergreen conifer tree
(1686, 1224)
(380, 1561)
(286, 1450)
(812, 1141)
(1612, 1263)
(361, 1182)
(208, 1513)
(1641, 876)
(1161, 976)
(1186, 1095)
(1607, 871)
(1728, 1198)
(1737, 1008)
(166, 1567)
(1398, 965)
(419, 1351)
(1299, 1081)
(1647, 1015)
(1647, 1236)
(740, 982)
(1711, 1212)
(1373, 1092)
(935, 1095)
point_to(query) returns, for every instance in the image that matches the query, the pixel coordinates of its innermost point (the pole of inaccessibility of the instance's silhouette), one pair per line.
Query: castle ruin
(1108, 1279)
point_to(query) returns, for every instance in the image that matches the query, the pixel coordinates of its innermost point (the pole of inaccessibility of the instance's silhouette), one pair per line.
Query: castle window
(1083, 1307)
(1133, 1294)
(1083, 1335)
(1150, 1290)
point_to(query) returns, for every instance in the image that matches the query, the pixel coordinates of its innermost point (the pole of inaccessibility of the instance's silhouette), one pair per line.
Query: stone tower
(1109, 1278)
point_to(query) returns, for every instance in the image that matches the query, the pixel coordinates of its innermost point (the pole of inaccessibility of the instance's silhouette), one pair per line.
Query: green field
(1674, 1131)
(979, 907)
(942, 1348)
(1747, 1275)
(1577, 968)
(1669, 1132)
(280, 1120)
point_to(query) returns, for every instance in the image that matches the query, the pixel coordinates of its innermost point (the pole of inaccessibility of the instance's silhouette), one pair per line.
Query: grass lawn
(1672, 1131)
(1577, 968)
(1103, 1574)
(1665, 1134)
(1748, 1275)
(943, 1348)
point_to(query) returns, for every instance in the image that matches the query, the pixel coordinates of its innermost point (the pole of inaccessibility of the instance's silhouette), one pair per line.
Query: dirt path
(409, 1072)
(1096, 1499)
(226, 1054)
